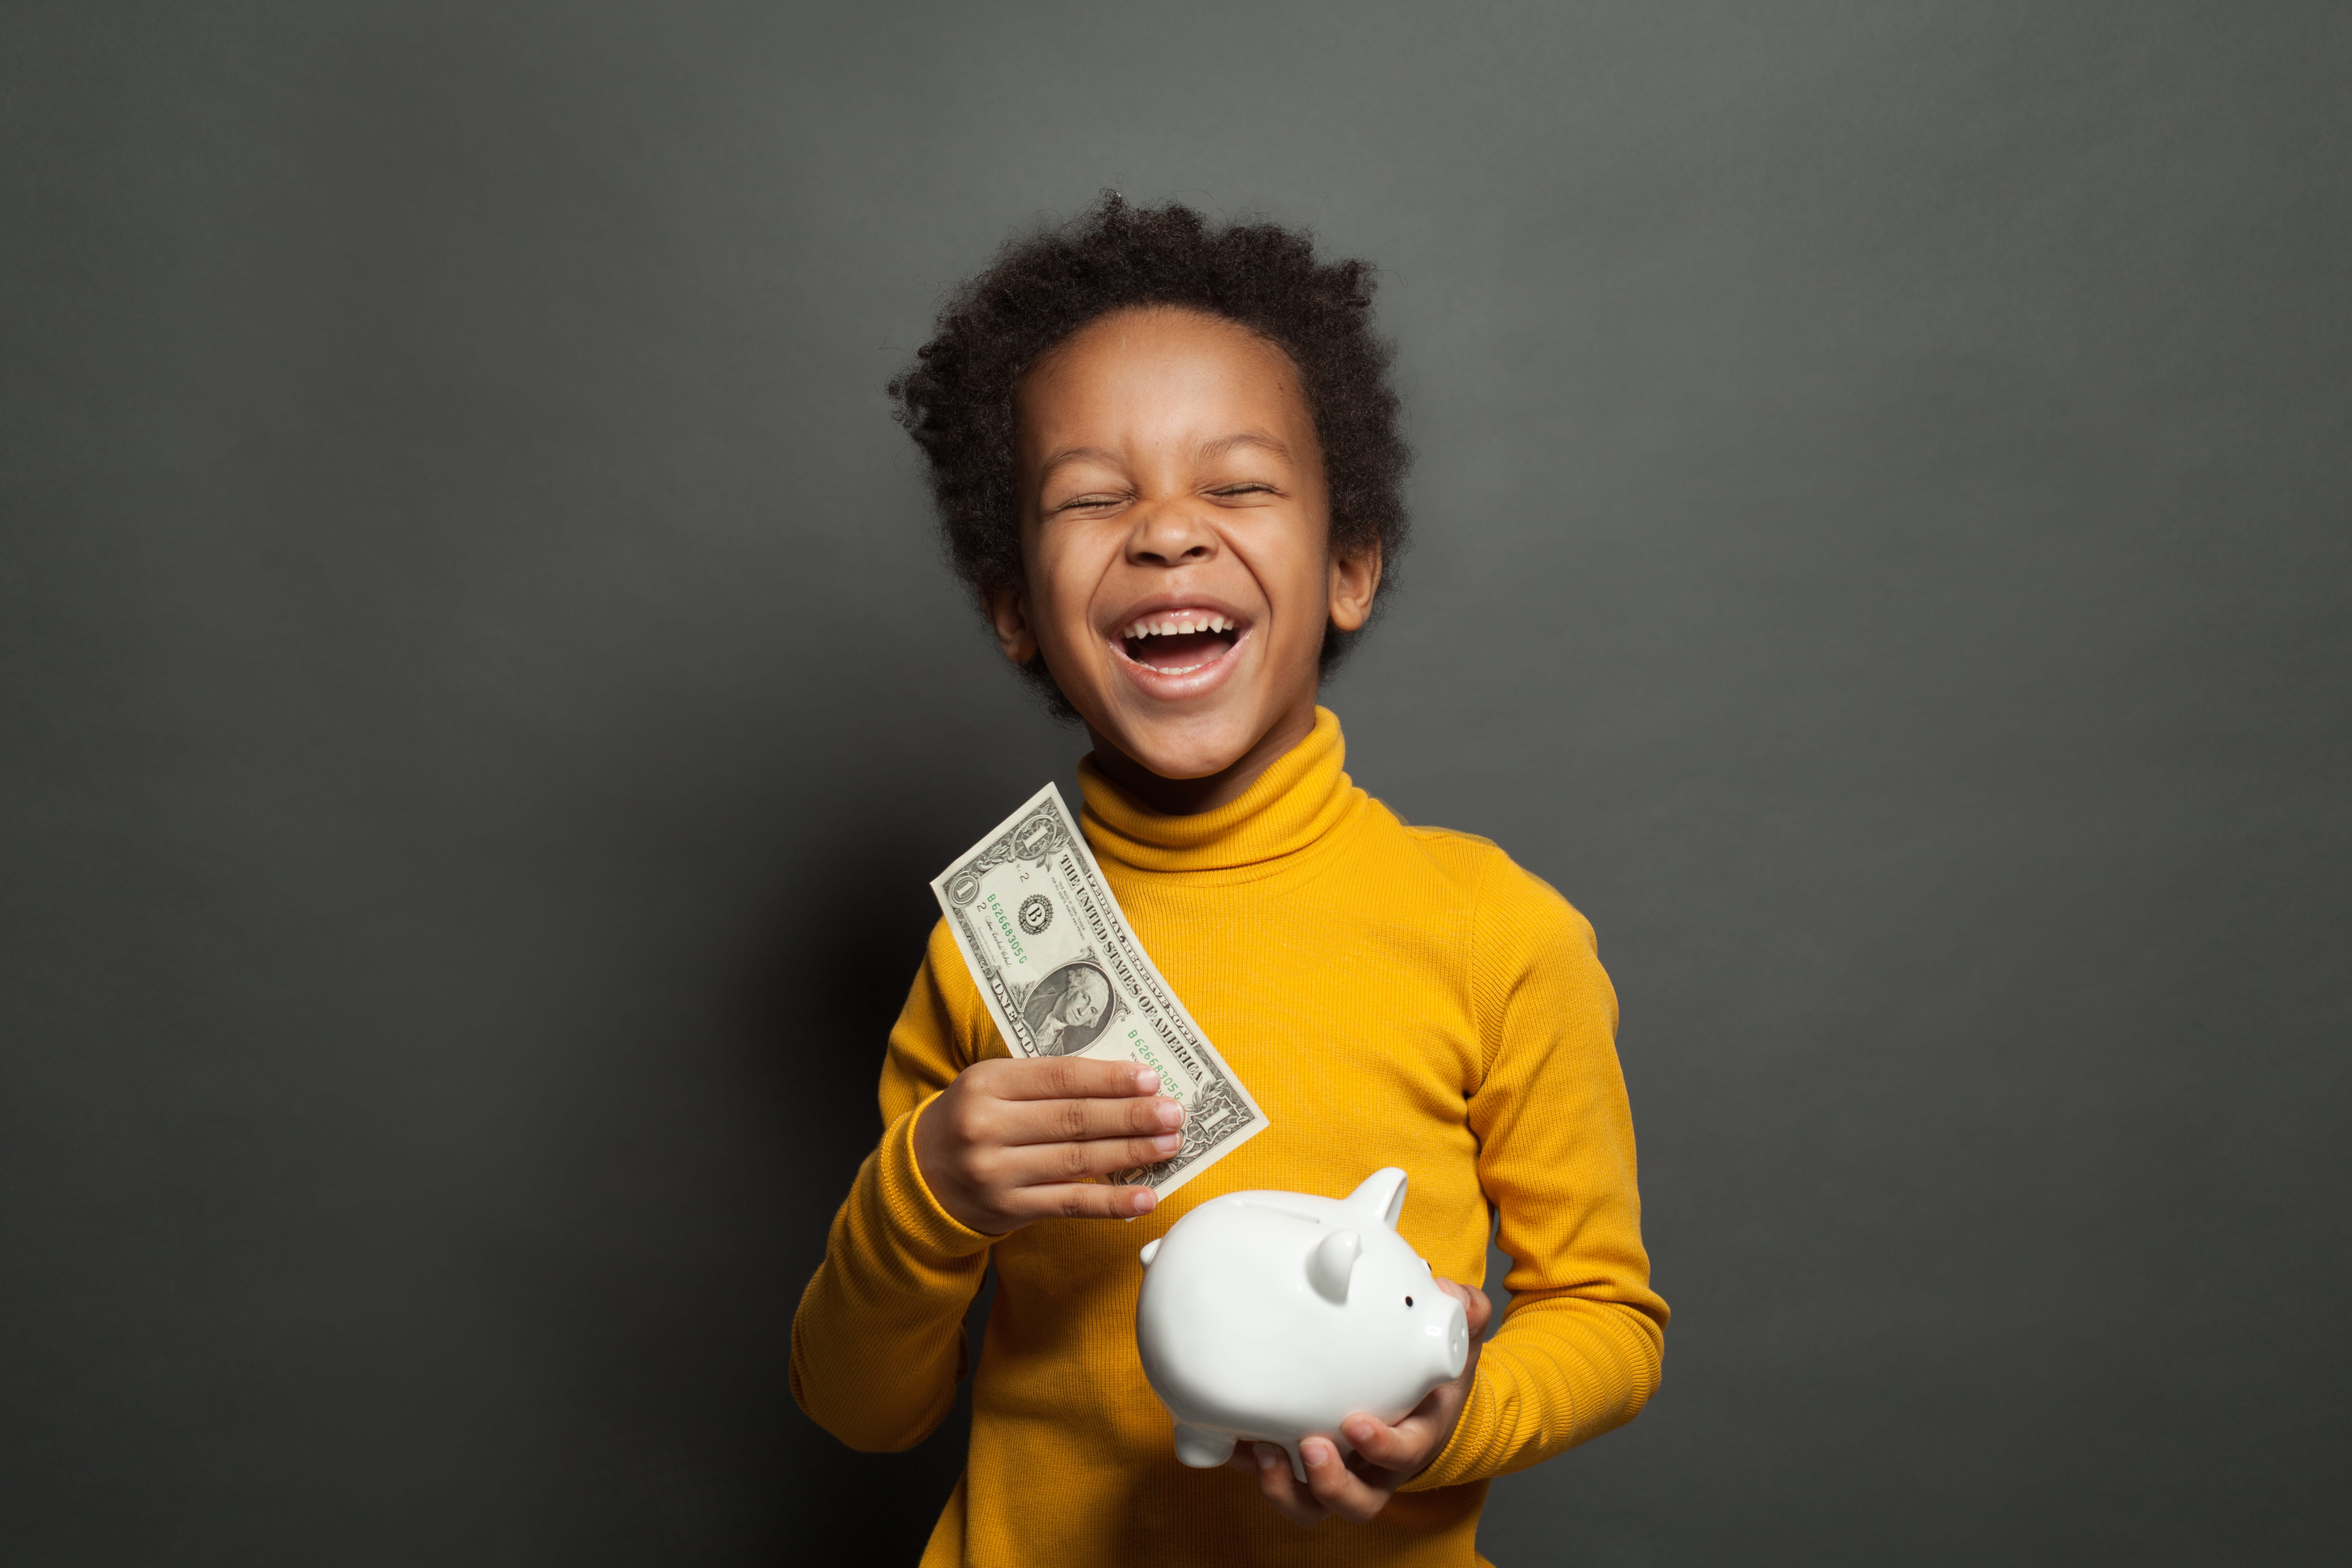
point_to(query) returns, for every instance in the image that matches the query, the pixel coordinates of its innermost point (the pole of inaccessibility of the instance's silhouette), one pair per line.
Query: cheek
(1298, 583)
(1292, 559)
(1064, 568)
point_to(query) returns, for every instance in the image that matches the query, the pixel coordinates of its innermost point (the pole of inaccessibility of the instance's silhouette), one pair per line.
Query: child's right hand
(1013, 1140)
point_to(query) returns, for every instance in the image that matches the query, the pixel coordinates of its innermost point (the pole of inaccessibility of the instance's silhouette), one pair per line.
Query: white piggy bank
(1272, 1316)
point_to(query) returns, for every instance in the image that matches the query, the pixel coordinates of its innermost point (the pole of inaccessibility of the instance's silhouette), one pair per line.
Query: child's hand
(1013, 1140)
(1385, 1458)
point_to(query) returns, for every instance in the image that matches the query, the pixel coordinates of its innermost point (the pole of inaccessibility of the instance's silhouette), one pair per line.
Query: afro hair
(957, 399)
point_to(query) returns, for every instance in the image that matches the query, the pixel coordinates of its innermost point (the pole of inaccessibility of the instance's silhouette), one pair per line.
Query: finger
(1403, 1448)
(1075, 1121)
(1070, 1078)
(1335, 1485)
(1046, 1164)
(1280, 1487)
(1475, 1308)
(1079, 1200)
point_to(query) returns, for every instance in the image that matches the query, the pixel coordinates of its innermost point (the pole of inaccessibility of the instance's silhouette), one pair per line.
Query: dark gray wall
(481, 706)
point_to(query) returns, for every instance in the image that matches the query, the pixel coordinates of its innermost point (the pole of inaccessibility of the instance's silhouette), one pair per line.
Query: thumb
(1475, 1305)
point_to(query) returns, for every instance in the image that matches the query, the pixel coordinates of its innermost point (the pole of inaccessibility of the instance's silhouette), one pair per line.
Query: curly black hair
(956, 400)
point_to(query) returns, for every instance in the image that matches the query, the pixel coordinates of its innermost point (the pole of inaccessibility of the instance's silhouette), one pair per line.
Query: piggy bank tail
(1200, 1448)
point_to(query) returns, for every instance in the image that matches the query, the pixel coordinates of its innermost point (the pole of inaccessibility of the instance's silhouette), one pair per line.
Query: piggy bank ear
(1382, 1194)
(1333, 1259)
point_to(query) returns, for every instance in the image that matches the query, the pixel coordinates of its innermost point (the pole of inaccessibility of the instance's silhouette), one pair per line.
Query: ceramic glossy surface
(1272, 1317)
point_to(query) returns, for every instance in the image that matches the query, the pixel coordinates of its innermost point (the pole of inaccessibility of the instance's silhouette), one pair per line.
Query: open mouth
(1178, 642)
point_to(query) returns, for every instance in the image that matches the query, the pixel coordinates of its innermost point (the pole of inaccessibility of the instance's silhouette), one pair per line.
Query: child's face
(1176, 536)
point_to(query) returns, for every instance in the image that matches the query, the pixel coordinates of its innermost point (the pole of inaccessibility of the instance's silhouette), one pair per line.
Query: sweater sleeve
(879, 1343)
(1581, 1349)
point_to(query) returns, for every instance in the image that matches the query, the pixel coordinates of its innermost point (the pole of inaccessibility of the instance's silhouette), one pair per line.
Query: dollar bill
(1063, 976)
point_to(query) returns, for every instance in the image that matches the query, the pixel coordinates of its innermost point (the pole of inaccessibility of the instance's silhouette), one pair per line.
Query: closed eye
(1084, 503)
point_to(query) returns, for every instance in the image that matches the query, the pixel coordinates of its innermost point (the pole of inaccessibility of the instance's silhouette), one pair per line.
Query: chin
(1186, 688)
(1185, 746)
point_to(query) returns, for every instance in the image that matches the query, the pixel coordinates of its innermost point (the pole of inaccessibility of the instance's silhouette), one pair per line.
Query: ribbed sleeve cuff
(922, 1225)
(1550, 1380)
(1473, 1434)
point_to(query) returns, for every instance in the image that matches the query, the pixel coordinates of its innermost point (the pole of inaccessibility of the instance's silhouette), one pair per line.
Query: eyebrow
(1216, 448)
(1071, 455)
(1224, 444)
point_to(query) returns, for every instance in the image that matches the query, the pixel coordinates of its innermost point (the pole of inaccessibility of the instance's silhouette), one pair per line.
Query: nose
(1170, 533)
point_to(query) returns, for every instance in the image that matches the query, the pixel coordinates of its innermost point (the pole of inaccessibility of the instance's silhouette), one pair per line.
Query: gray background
(482, 706)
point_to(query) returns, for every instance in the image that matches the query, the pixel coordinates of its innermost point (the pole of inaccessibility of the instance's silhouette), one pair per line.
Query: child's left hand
(1385, 1458)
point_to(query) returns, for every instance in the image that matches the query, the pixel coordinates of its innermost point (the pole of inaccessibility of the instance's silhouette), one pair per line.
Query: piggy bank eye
(1408, 1300)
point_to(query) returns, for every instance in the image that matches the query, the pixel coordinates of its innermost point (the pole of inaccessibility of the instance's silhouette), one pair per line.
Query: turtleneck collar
(1293, 806)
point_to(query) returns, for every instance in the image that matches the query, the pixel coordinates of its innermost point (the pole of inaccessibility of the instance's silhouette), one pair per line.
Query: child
(1166, 459)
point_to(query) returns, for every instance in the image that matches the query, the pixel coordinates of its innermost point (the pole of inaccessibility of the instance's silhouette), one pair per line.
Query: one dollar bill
(1063, 976)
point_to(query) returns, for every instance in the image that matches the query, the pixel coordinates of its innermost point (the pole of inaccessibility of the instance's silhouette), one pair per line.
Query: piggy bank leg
(1201, 1449)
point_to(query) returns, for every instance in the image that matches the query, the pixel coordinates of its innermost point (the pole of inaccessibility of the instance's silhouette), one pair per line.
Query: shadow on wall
(819, 1011)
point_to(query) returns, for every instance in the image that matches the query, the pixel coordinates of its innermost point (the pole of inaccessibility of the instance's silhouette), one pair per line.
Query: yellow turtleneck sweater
(1392, 996)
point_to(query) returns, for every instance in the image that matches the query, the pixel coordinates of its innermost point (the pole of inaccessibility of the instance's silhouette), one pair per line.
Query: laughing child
(1166, 460)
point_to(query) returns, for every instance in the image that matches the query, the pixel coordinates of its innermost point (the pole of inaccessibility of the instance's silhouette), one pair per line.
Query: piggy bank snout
(1449, 1338)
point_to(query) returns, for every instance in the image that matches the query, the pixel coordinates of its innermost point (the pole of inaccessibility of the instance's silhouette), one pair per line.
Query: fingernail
(1269, 1455)
(1171, 1115)
(1145, 1200)
(1146, 1081)
(1359, 1432)
(1168, 1142)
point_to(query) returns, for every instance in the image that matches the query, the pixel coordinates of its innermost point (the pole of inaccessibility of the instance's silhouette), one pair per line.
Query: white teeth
(1177, 624)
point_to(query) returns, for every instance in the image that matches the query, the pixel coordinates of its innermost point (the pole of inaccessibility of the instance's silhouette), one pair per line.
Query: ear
(1008, 612)
(1355, 579)
(1382, 1194)
(1333, 1259)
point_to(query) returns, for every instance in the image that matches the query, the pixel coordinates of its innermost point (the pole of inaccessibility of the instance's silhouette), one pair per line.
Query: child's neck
(1188, 797)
